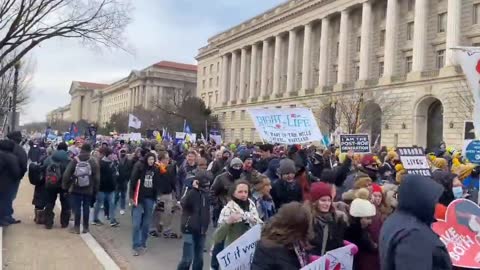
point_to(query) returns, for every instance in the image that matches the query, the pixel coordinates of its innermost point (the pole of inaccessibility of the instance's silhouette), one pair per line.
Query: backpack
(83, 171)
(53, 175)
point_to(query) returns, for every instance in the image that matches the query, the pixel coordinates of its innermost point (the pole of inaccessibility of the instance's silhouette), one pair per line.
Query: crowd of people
(309, 199)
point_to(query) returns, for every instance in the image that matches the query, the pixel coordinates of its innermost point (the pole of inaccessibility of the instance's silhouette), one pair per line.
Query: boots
(49, 217)
(39, 216)
(65, 218)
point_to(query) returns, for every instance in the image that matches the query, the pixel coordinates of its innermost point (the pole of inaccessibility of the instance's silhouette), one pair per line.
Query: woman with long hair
(284, 239)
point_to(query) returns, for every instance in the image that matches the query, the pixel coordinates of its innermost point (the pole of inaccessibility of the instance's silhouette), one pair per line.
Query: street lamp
(13, 124)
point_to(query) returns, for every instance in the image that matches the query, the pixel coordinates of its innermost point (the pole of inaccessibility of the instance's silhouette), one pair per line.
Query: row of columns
(391, 24)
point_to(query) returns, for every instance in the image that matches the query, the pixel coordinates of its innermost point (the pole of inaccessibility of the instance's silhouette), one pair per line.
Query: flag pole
(206, 129)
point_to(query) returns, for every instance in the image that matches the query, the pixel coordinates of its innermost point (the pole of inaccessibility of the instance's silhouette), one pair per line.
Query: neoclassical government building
(96, 103)
(393, 57)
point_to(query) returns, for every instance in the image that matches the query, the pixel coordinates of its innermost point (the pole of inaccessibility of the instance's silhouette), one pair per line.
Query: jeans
(193, 245)
(12, 195)
(141, 218)
(120, 196)
(81, 205)
(101, 198)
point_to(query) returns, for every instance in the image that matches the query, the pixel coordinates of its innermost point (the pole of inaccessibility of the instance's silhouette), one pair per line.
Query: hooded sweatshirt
(406, 239)
(68, 181)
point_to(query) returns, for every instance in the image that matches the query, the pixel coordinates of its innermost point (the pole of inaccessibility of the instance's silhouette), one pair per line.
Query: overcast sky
(160, 30)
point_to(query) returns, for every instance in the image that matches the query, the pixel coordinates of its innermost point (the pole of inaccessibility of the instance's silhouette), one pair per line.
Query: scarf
(232, 207)
(245, 205)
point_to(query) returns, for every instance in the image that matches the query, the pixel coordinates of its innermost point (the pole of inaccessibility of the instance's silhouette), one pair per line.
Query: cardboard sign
(340, 258)
(239, 254)
(472, 151)
(460, 233)
(359, 143)
(286, 126)
(414, 160)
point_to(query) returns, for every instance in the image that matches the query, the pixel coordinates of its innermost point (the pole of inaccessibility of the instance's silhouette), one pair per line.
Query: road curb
(1, 247)
(120, 260)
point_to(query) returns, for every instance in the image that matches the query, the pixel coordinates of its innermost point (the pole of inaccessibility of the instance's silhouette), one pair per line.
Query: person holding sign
(283, 241)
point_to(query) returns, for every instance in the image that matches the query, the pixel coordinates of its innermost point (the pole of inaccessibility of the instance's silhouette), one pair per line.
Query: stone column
(453, 30)
(420, 35)
(264, 82)
(323, 63)
(292, 42)
(365, 40)
(224, 85)
(243, 70)
(390, 40)
(233, 76)
(343, 48)
(253, 72)
(307, 54)
(132, 104)
(276, 66)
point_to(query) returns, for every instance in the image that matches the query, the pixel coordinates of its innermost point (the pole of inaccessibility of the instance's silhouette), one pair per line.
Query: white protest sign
(135, 137)
(287, 126)
(414, 160)
(340, 258)
(239, 254)
(180, 135)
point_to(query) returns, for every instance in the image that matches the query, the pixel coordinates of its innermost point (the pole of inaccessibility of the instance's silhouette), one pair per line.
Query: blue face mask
(457, 192)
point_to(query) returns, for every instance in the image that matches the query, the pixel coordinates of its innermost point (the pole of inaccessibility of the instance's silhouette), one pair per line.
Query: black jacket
(35, 153)
(9, 167)
(406, 240)
(274, 258)
(220, 187)
(196, 212)
(283, 193)
(68, 179)
(336, 229)
(22, 158)
(146, 191)
(125, 167)
(167, 181)
(108, 179)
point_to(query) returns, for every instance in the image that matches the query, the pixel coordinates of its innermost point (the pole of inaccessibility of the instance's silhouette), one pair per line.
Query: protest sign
(239, 254)
(135, 136)
(340, 258)
(472, 151)
(359, 143)
(180, 135)
(460, 232)
(414, 160)
(288, 126)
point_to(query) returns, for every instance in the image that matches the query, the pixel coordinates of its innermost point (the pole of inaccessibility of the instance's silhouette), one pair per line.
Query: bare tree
(24, 86)
(24, 24)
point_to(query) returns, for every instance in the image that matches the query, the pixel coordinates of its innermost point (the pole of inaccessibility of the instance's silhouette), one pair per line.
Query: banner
(239, 254)
(359, 143)
(469, 59)
(472, 151)
(460, 232)
(286, 126)
(414, 160)
(134, 122)
(340, 258)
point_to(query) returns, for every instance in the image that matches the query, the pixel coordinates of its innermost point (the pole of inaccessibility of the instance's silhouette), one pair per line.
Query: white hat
(362, 208)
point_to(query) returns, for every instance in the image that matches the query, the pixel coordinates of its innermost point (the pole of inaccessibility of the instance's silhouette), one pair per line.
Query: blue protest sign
(472, 151)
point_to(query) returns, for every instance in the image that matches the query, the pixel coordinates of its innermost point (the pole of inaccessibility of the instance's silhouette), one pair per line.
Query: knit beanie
(236, 161)
(287, 166)
(463, 170)
(400, 173)
(391, 155)
(368, 160)
(362, 180)
(362, 208)
(439, 163)
(376, 188)
(320, 189)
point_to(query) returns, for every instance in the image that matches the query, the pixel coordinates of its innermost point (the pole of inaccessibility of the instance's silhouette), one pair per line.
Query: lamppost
(13, 119)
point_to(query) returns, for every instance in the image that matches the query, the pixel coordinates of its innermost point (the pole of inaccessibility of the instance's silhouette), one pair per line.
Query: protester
(55, 167)
(266, 157)
(186, 169)
(263, 200)
(286, 189)
(220, 164)
(284, 240)
(125, 167)
(143, 194)
(108, 177)
(9, 173)
(82, 180)
(406, 239)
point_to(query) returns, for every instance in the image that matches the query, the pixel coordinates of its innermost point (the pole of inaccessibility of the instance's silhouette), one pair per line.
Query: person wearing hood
(286, 189)
(55, 166)
(407, 240)
(452, 189)
(125, 167)
(219, 164)
(9, 173)
(108, 183)
(22, 159)
(143, 194)
(35, 152)
(82, 184)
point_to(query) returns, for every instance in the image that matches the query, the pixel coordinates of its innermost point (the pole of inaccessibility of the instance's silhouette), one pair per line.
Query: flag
(158, 136)
(203, 138)
(187, 130)
(469, 59)
(73, 130)
(134, 122)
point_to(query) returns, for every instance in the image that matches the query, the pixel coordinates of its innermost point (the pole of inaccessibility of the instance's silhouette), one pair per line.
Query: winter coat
(196, 212)
(220, 187)
(139, 172)
(332, 226)
(36, 176)
(265, 206)
(68, 181)
(9, 166)
(125, 167)
(35, 153)
(218, 167)
(407, 241)
(22, 158)
(108, 177)
(166, 181)
(372, 258)
(276, 257)
(362, 238)
(283, 193)
(184, 171)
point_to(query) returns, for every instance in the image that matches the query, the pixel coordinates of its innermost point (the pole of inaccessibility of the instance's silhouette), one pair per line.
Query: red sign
(460, 233)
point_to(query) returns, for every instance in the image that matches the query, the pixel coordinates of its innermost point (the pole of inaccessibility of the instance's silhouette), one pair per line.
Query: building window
(218, 67)
(357, 72)
(252, 135)
(408, 64)
(410, 5)
(210, 100)
(233, 116)
(335, 73)
(293, 105)
(204, 71)
(382, 37)
(359, 43)
(216, 97)
(217, 81)
(440, 59)
(242, 130)
(337, 52)
(476, 13)
(203, 84)
(211, 68)
(210, 82)
(381, 67)
(224, 116)
(242, 115)
(442, 22)
(410, 29)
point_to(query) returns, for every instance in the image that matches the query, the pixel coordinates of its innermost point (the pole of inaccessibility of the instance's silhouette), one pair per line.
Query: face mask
(225, 158)
(457, 192)
(123, 155)
(235, 173)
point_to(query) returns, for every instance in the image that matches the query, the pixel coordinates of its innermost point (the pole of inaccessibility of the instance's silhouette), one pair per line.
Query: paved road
(161, 253)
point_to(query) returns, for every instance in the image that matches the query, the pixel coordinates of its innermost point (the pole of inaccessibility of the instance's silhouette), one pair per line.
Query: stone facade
(59, 114)
(316, 53)
(161, 82)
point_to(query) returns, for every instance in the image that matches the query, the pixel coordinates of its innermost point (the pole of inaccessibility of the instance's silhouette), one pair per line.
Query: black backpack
(53, 175)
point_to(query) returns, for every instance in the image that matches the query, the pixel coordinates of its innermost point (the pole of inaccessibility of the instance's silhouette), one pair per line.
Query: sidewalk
(29, 246)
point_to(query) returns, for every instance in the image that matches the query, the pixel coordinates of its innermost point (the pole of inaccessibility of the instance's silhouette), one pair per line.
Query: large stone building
(393, 56)
(96, 103)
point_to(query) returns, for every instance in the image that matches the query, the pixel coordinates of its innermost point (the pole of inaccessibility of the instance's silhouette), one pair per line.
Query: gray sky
(160, 30)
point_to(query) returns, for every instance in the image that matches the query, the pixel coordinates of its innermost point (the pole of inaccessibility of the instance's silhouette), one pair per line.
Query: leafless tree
(24, 24)
(25, 77)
